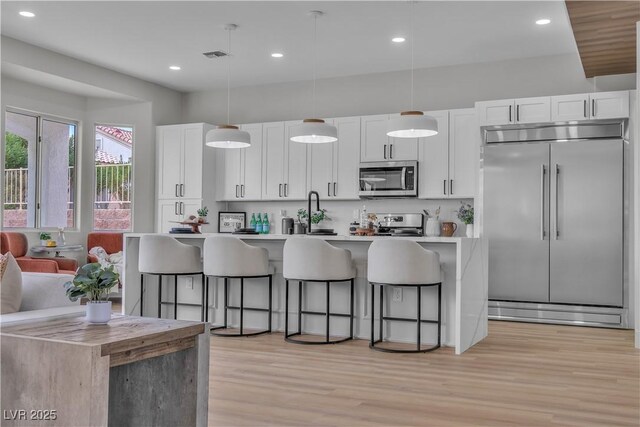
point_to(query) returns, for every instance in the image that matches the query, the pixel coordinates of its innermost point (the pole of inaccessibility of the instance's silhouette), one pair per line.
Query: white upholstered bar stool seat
(165, 256)
(400, 262)
(228, 257)
(311, 259)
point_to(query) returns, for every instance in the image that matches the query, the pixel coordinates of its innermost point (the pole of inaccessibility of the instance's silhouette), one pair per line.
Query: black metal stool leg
(286, 308)
(381, 314)
(160, 297)
(175, 297)
(418, 324)
(241, 306)
(206, 298)
(141, 293)
(299, 306)
(439, 313)
(226, 301)
(270, 300)
(328, 310)
(351, 310)
(373, 306)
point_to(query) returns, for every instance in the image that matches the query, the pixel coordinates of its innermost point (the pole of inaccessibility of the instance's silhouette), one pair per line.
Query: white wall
(435, 89)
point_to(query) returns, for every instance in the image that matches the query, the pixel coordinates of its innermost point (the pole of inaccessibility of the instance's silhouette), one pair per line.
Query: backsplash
(342, 213)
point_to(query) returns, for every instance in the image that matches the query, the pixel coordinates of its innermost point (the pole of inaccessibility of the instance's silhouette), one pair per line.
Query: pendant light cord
(412, 45)
(229, 77)
(315, 59)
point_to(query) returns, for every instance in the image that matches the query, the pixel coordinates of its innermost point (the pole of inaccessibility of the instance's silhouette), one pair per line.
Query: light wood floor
(521, 375)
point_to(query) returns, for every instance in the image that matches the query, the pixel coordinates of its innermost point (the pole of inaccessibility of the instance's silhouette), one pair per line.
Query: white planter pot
(43, 242)
(433, 227)
(98, 311)
(469, 230)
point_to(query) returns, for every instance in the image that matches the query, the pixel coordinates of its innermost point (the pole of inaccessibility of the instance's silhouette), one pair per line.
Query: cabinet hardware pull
(175, 208)
(181, 208)
(385, 151)
(510, 114)
(557, 234)
(181, 190)
(542, 172)
(286, 190)
(334, 189)
(237, 190)
(279, 190)
(328, 189)
(444, 187)
(585, 108)
(451, 187)
(391, 151)
(177, 186)
(518, 113)
(593, 108)
(242, 190)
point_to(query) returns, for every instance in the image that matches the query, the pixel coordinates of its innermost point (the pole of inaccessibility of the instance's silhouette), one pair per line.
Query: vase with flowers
(465, 214)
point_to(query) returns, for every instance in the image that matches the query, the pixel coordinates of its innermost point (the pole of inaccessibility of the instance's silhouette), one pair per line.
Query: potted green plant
(316, 217)
(465, 214)
(202, 214)
(94, 282)
(44, 238)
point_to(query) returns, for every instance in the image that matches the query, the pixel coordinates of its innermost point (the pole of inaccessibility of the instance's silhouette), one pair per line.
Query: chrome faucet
(311, 193)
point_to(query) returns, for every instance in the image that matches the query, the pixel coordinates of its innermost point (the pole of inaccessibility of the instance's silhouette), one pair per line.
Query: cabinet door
(492, 113)
(464, 153)
(169, 172)
(272, 160)
(401, 149)
(346, 158)
(433, 173)
(193, 143)
(374, 143)
(570, 107)
(295, 177)
(251, 173)
(322, 167)
(610, 105)
(232, 166)
(533, 110)
(168, 211)
(189, 207)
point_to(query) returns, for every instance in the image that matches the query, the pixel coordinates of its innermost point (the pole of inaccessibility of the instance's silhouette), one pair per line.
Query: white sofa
(43, 298)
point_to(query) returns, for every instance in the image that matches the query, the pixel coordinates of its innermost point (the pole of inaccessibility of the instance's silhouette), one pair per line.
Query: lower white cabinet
(333, 170)
(449, 161)
(284, 163)
(172, 211)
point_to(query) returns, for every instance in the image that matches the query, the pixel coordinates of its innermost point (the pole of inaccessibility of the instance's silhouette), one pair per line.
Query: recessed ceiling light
(398, 39)
(27, 14)
(277, 55)
(175, 68)
(543, 21)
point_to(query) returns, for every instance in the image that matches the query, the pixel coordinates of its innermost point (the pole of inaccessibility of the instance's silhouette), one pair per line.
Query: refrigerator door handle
(557, 228)
(542, 173)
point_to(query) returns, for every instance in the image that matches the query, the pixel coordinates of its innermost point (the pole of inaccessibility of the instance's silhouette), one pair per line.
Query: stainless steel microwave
(388, 179)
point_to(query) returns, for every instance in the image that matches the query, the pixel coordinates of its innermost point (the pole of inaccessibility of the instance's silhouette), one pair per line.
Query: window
(113, 173)
(39, 171)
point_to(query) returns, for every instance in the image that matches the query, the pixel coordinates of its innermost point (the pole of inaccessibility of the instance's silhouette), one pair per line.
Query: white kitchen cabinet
(284, 163)
(492, 113)
(433, 173)
(171, 212)
(570, 107)
(243, 168)
(334, 167)
(193, 144)
(464, 153)
(169, 161)
(533, 110)
(449, 161)
(376, 146)
(609, 105)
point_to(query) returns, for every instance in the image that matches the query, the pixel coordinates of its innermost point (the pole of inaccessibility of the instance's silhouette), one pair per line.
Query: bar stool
(402, 263)
(308, 259)
(165, 256)
(228, 257)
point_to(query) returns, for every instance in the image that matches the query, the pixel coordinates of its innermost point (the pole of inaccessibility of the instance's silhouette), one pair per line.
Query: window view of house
(113, 174)
(39, 172)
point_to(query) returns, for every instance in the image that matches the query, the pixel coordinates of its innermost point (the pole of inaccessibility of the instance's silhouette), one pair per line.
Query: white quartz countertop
(340, 238)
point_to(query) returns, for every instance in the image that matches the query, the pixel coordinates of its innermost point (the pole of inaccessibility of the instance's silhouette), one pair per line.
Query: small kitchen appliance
(400, 225)
(388, 179)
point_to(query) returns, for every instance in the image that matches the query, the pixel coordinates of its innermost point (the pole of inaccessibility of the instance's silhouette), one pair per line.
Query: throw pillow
(10, 284)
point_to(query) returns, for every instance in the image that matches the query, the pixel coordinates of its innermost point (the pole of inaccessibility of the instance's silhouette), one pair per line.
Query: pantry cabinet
(333, 167)
(376, 146)
(449, 161)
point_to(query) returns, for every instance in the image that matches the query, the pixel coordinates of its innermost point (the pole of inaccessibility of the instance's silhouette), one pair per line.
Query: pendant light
(314, 131)
(228, 136)
(412, 124)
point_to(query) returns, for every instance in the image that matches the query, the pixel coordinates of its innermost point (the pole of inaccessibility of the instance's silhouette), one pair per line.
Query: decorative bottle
(259, 224)
(252, 223)
(364, 218)
(266, 227)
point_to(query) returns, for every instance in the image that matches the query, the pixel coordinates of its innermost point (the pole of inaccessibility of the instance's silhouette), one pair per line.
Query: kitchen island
(464, 290)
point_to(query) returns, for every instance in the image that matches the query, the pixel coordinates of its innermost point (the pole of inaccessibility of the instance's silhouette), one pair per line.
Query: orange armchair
(110, 242)
(17, 244)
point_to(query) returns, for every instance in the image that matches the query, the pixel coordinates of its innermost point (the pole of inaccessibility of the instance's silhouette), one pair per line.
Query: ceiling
(605, 33)
(143, 39)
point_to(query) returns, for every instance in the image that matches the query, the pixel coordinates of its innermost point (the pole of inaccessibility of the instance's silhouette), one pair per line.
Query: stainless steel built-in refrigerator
(553, 216)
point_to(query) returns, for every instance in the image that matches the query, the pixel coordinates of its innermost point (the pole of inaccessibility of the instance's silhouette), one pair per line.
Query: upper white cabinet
(180, 160)
(449, 161)
(284, 163)
(376, 146)
(513, 111)
(609, 105)
(243, 168)
(334, 167)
